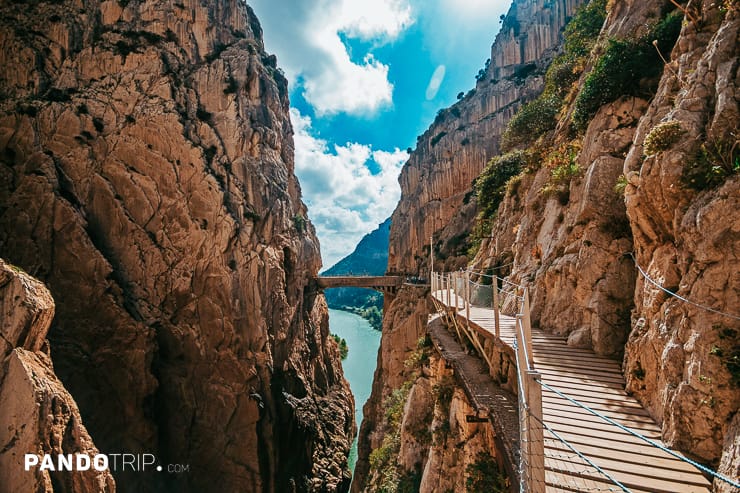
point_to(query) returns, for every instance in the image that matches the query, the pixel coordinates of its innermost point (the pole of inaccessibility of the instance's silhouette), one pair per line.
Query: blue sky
(366, 77)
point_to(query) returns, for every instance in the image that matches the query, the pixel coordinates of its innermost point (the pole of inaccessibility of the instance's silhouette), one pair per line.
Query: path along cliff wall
(643, 196)
(146, 175)
(644, 176)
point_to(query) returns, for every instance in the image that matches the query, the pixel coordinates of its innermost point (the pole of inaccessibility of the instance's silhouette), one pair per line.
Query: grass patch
(713, 163)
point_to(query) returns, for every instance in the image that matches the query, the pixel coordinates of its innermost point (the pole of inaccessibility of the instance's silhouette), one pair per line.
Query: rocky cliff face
(650, 173)
(574, 250)
(404, 323)
(415, 435)
(147, 178)
(682, 359)
(39, 415)
(436, 182)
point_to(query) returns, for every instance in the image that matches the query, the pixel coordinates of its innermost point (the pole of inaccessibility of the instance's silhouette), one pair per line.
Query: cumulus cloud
(346, 200)
(307, 35)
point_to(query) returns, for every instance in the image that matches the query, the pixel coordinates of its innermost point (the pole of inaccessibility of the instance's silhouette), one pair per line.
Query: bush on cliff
(540, 115)
(490, 187)
(627, 67)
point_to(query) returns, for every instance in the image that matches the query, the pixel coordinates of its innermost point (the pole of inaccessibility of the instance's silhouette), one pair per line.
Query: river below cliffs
(363, 342)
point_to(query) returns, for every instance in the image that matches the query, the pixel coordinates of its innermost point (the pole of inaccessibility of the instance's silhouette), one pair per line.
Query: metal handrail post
(536, 446)
(467, 296)
(527, 327)
(457, 296)
(497, 328)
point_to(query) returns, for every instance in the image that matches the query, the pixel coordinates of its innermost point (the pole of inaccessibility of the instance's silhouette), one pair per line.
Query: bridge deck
(597, 382)
(374, 282)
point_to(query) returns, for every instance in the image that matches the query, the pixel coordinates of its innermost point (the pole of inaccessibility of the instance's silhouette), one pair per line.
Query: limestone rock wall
(574, 250)
(38, 415)
(577, 260)
(436, 182)
(679, 357)
(404, 322)
(146, 175)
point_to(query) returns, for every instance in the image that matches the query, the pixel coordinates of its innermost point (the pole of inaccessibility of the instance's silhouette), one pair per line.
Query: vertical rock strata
(38, 414)
(436, 182)
(681, 359)
(146, 175)
(573, 248)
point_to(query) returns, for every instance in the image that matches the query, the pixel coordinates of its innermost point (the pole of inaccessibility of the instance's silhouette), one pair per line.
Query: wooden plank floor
(598, 383)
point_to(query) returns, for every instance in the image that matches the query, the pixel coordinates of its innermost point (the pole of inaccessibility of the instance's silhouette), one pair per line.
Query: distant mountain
(370, 257)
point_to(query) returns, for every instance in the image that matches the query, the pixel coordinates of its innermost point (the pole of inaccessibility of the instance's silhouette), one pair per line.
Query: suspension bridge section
(579, 430)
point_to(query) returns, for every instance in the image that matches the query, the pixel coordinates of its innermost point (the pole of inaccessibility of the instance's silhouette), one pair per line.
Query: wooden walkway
(598, 383)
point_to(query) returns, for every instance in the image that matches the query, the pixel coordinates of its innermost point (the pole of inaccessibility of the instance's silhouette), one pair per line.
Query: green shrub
(662, 137)
(713, 163)
(563, 164)
(582, 30)
(729, 351)
(624, 63)
(490, 187)
(299, 222)
(444, 390)
(532, 120)
(342, 343)
(484, 476)
(383, 458)
(437, 138)
(621, 185)
(540, 115)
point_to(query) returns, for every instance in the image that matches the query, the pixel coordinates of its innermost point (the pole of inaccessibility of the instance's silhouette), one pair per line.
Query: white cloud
(436, 81)
(374, 19)
(346, 201)
(305, 34)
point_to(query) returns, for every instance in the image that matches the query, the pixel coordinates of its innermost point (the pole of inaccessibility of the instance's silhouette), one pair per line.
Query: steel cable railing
(566, 465)
(458, 290)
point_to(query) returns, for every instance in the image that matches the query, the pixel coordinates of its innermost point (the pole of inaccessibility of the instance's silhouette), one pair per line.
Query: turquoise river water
(363, 342)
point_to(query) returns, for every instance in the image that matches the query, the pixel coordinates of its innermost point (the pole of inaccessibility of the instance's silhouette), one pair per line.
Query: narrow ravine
(363, 342)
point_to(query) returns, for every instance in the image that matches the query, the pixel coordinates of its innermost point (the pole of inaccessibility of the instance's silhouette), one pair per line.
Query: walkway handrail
(456, 286)
(529, 386)
(642, 437)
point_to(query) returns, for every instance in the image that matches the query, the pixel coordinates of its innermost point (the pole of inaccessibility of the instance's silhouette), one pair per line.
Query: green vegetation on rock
(342, 343)
(485, 476)
(383, 460)
(540, 115)
(627, 67)
(713, 163)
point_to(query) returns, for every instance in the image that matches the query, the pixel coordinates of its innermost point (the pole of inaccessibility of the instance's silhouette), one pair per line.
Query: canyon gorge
(592, 204)
(157, 281)
(148, 181)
